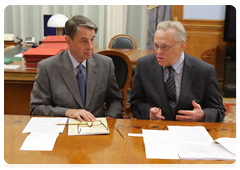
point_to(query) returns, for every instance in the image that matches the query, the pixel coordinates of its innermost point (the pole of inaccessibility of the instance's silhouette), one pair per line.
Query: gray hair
(72, 25)
(180, 33)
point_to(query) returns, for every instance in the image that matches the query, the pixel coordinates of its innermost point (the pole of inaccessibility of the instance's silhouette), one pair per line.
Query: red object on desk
(41, 52)
(54, 39)
(33, 55)
(63, 46)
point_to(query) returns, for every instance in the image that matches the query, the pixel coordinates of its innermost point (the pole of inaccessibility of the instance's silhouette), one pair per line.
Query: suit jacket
(199, 83)
(55, 88)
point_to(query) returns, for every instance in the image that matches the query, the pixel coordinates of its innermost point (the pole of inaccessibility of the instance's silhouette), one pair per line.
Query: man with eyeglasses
(172, 85)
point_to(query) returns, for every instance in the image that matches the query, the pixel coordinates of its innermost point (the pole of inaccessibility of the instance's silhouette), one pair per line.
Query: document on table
(43, 133)
(39, 142)
(229, 143)
(11, 66)
(194, 142)
(40, 124)
(159, 144)
(18, 55)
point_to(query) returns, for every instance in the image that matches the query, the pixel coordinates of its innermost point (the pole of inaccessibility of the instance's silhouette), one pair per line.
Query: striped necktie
(81, 81)
(171, 89)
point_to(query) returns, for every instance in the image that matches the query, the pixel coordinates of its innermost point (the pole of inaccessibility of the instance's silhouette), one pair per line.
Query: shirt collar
(75, 63)
(178, 65)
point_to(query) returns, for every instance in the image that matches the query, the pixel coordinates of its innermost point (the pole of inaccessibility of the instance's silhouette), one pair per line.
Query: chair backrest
(122, 41)
(123, 71)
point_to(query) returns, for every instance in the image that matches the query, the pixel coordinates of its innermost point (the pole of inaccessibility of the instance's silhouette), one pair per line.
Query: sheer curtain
(27, 20)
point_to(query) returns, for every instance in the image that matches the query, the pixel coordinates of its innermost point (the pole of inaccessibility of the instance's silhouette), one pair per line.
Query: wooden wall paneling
(204, 39)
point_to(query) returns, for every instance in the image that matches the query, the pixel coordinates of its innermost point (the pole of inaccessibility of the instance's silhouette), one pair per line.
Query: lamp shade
(57, 21)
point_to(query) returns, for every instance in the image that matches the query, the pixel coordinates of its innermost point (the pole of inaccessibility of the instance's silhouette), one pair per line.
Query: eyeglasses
(90, 124)
(164, 48)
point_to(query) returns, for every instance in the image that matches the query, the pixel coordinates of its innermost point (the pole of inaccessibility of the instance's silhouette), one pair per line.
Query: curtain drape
(27, 20)
(155, 15)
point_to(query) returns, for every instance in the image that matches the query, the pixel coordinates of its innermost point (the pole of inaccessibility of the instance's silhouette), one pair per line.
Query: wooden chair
(124, 41)
(123, 72)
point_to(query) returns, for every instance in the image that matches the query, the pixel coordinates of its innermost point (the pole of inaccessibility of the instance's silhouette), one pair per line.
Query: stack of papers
(159, 144)
(43, 133)
(187, 142)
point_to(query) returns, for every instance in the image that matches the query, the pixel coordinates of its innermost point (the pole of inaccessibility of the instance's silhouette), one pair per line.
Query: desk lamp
(57, 21)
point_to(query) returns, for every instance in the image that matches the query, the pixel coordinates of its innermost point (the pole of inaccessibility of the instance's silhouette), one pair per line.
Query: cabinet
(230, 79)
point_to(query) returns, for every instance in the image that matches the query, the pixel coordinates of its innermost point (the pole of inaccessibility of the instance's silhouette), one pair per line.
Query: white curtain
(116, 20)
(27, 20)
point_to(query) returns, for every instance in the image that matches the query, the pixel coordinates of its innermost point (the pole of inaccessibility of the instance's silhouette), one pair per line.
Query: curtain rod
(150, 7)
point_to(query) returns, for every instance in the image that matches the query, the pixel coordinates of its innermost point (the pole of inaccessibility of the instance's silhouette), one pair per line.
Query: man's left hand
(196, 114)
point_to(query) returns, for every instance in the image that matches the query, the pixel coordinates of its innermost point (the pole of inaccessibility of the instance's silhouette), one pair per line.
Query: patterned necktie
(81, 80)
(171, 89)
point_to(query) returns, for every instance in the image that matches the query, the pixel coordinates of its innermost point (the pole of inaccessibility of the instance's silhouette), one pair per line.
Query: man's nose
(90, 44)
(159, 50)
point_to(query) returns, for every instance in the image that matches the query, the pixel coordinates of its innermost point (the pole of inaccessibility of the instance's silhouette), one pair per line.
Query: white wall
(27, 20)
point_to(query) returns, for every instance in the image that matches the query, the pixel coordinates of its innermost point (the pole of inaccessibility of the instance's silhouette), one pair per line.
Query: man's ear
(183, 45)
(68, 40)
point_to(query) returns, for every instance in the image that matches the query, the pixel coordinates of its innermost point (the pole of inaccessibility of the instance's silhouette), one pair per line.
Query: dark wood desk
(18, 83)
(100, 149)
(21, 75)
(132, 54)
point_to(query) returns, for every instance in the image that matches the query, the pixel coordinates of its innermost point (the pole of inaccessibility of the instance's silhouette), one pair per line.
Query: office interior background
(204, 24)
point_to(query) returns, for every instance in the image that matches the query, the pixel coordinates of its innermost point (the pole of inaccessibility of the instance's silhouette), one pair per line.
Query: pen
(120, 133)
(69, 124)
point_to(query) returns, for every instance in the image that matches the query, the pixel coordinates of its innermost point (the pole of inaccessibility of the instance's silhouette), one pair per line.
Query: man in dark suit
(58, 88)
(172, 85)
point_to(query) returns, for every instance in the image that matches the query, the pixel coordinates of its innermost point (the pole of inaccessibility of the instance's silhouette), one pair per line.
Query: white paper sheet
(48, 125)
(11, 66)
(19, 55)
(159, 144)
(135, 134)
(194, 142)
(39, 142)
(190, 134)
(210, 151)
(229, 143)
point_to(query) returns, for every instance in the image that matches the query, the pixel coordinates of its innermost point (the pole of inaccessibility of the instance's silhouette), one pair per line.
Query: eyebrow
(84, 38)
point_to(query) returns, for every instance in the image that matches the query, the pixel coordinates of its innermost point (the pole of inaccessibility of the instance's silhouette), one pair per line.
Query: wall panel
(203, 36)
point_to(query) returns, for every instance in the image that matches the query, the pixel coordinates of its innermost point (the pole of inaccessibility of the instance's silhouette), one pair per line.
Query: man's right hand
(156, 114)
(80, 114)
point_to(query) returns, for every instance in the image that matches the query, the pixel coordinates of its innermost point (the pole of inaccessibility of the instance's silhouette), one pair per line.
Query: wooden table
(100, 149)
(132, 54)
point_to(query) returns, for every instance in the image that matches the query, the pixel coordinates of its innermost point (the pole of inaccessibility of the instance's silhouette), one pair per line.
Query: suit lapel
(91, 79)
(67, 72)
(158, 81)
(187, 78)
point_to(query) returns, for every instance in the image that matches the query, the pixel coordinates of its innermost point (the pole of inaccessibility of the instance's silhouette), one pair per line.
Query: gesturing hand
(156, 114)
(196, 114)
